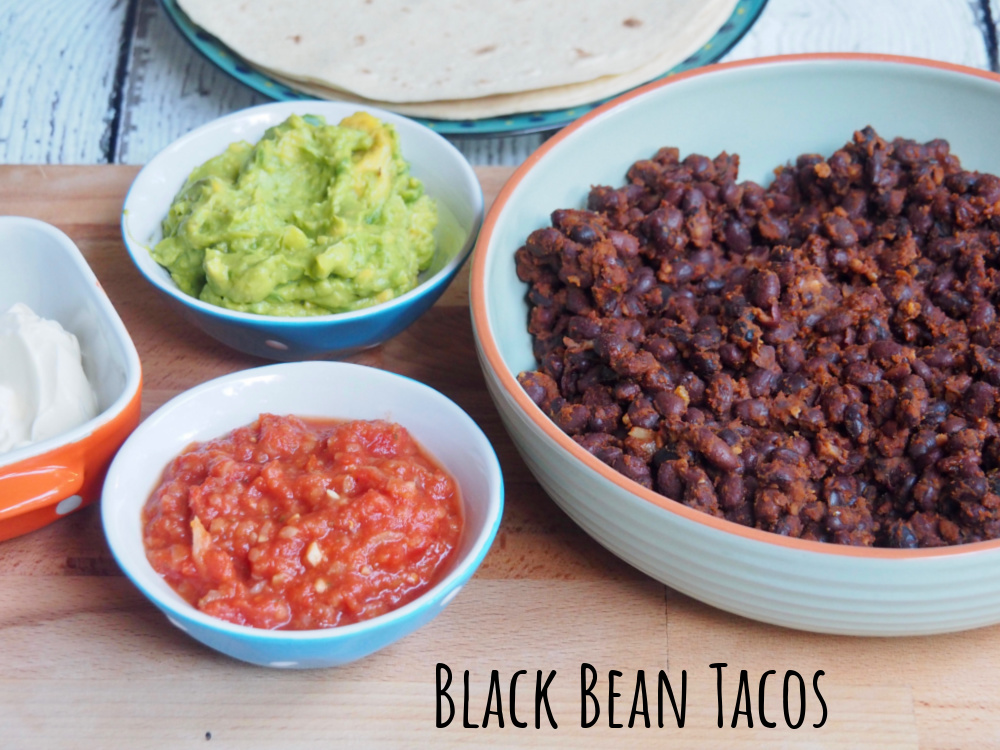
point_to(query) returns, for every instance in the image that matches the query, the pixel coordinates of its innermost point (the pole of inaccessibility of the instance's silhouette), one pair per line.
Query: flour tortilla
(701, 30)
(407, 51)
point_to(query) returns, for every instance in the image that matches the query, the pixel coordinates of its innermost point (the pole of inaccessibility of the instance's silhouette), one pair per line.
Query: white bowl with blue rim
(446, 175)
(329, 390)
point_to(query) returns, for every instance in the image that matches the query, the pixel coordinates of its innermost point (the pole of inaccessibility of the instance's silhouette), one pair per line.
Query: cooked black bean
(819, 358)
(716, 450)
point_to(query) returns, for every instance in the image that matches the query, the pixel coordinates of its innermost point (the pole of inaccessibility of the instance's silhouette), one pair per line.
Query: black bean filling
(819, 358)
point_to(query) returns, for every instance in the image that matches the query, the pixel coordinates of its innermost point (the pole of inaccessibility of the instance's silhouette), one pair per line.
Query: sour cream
(44, 391)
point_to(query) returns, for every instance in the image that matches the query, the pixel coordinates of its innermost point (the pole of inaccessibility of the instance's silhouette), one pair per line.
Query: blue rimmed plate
(743, 17)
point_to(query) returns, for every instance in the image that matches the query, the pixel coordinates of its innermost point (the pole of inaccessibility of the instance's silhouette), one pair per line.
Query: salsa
(302, 524)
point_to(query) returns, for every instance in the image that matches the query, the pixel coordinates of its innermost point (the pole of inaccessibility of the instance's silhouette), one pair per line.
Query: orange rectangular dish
(44, 481)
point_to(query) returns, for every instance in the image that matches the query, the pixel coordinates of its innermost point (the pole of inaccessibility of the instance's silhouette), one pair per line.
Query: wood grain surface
(87, 662)
(93, 81)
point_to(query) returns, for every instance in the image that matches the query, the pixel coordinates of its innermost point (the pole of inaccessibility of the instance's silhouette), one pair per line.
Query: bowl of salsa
(303, 515)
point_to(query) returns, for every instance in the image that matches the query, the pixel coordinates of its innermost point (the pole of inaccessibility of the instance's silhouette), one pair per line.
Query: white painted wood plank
(994, 21)
(57, 75)
(170, 88)
(507, 151)
(944, 30)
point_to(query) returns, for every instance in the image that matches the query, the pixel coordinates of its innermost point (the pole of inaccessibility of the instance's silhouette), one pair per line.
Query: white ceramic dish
(45, 270)
(445, 173)
(308, 389)
(768, 111)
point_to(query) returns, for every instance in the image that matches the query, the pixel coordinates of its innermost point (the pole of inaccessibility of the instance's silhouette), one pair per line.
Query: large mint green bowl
(768, 111)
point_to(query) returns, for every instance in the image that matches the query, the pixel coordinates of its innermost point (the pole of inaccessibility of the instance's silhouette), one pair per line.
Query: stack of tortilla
(462, 59)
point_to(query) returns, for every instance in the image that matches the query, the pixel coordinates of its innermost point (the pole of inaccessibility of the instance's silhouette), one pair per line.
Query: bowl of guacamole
(303, 229)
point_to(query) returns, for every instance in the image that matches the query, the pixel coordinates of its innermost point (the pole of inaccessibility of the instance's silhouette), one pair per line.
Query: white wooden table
(112, 81)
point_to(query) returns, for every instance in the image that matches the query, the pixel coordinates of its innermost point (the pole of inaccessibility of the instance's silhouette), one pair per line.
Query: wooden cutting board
(86, 662)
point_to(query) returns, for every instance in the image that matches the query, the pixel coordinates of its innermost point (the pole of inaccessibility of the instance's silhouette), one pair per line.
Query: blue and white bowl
(445, 173)
(332, 390)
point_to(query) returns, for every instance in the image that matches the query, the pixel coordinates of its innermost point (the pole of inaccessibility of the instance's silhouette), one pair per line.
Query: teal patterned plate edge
(743, 17)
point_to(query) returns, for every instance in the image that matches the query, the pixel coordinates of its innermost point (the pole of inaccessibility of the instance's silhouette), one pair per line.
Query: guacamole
(314, 219)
